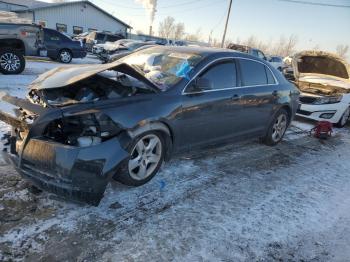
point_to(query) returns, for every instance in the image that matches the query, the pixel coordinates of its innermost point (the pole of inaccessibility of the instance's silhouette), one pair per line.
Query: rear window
(254, 73)
(322, 65)
(100, 37)
(276, 59)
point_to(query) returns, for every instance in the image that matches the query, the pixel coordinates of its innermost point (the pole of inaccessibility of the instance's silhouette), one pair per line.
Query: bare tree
(342, 50)
(167, 27)
(290, 45)
(197, 36)
(179, 31)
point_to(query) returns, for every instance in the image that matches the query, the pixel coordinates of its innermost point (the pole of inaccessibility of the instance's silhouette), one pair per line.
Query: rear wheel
(11, 62)
(146, 157)
(344, 119)
(277, 128)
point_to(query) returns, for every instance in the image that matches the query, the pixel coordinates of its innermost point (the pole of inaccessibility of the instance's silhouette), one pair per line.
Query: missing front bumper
(79, 174)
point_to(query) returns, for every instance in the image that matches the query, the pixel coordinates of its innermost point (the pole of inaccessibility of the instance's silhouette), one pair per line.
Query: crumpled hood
(320, 66)
(324, 80)
(64, 76)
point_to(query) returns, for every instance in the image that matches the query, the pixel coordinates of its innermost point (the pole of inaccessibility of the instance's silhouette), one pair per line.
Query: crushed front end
(72, 156)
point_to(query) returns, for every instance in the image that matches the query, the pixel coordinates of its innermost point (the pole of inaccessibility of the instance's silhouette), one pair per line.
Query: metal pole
(227, 19)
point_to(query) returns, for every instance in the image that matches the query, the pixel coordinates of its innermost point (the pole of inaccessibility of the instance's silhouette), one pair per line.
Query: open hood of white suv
(321, 67)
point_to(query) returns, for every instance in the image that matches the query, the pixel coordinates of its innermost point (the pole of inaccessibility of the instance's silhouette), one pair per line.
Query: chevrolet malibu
(81, 126)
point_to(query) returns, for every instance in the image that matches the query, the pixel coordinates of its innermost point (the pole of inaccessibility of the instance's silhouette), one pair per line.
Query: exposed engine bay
(102, 86)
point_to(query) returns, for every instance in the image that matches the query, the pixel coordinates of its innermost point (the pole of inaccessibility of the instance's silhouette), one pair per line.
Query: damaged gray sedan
(81, 126)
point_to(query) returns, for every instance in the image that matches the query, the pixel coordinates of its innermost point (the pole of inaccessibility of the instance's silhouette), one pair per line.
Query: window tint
(112, 38)
(50, 36)
(253, 73)
(221, 75)
(276, 59)
(270, 78)
(100, 37)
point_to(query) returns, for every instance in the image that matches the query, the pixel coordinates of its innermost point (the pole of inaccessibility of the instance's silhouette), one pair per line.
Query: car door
(259, 95)
(209, 115)
(52, 43)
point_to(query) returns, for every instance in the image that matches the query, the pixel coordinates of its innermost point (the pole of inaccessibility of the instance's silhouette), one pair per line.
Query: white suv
(323, 79)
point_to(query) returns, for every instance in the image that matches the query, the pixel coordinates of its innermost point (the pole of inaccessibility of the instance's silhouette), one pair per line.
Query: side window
(254, 53)
(100, 37)
(253, 73)
(270, 78)
(221, 76)
(51, 36)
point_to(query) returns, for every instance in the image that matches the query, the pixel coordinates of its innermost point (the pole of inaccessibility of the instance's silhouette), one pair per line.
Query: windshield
(322, 65)
(165, 68)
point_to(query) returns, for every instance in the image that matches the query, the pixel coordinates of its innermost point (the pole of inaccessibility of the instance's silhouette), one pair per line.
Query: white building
(69, 17)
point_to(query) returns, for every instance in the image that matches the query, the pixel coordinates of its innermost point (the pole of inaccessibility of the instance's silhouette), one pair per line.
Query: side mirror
(203, 84)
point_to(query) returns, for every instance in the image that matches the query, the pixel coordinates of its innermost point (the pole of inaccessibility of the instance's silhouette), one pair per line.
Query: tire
(12, 62)
(344, 119)
(277, 128)
(136, 171)
(65, 56)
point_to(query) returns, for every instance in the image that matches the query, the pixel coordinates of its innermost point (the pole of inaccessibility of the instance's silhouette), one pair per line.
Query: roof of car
(206, 51)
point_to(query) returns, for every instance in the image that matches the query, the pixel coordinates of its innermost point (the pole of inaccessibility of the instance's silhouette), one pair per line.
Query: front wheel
(277, 128)
(344, 119)
(65, 56)
(11, 62)
(146, 157)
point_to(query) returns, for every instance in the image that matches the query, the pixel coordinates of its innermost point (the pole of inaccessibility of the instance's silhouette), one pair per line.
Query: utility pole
(227, 19)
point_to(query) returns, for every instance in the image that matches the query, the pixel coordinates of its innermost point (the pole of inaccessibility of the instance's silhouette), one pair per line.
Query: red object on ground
(322, 130)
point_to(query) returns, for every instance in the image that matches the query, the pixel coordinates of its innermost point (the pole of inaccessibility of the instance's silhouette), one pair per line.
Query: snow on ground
(239, 202)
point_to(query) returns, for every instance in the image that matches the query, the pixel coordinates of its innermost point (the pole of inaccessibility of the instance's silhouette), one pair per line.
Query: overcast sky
(321, 26)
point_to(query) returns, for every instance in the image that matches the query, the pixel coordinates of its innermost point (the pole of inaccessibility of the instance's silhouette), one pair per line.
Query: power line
(314, 3)
(160, 7)
(176, 12)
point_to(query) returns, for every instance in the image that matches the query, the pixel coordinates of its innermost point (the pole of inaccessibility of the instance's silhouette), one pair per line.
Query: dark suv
(60, 47)
(17, 41)
(247, 49)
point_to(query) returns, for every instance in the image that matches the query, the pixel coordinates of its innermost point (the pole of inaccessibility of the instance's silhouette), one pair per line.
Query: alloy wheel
(65, 56)
(10, 62)
(145, 157)
(279, 127)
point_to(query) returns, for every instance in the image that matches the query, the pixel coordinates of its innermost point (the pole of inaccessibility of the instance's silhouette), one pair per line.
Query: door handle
(235, 97)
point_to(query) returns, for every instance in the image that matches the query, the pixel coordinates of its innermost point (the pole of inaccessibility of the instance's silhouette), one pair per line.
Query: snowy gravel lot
(239, 202)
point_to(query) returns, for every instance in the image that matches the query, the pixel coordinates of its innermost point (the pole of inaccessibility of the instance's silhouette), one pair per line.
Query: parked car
(277, 62)
(17, 41)
(80, 126)
(100, 37)
(109, 54)
(247, 49)
(62, 48)
(323, 79)
(110, 46)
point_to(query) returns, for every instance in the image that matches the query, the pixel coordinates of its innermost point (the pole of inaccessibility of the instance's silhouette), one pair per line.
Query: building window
(77, 30)
(92, 29)
(61, 28)
(42, 23)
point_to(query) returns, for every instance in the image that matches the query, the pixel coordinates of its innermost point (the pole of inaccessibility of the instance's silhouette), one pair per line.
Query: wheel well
(289, 112)
(160, 127)
(13, 44)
